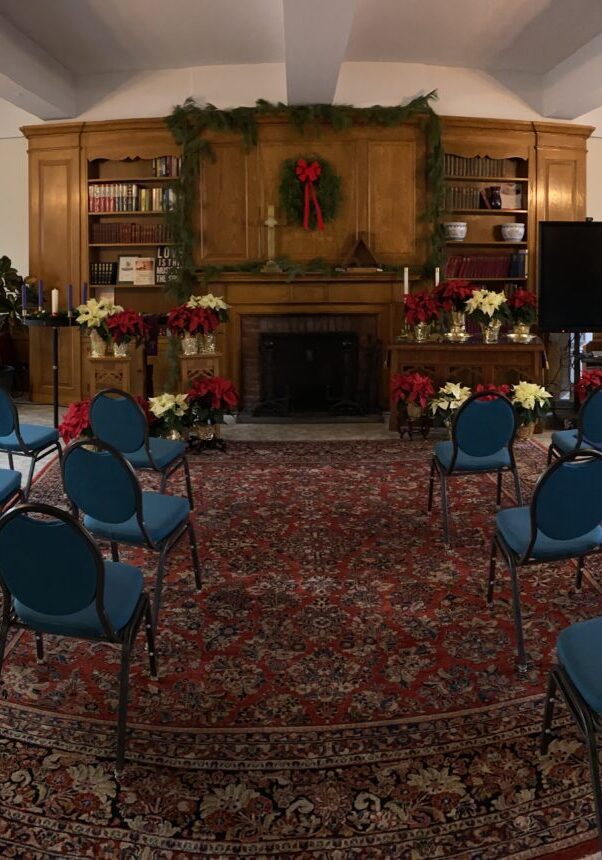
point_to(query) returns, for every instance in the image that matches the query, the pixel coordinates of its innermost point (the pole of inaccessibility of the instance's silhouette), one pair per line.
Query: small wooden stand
(109, 371)
(192, 366)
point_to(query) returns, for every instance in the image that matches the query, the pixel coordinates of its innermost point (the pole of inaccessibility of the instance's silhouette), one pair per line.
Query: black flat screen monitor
(570, 276)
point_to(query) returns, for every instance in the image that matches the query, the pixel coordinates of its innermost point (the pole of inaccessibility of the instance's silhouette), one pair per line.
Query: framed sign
(126, 268)
(144, 271)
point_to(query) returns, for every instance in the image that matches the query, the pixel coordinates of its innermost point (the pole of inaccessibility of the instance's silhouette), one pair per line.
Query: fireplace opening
(307, 372)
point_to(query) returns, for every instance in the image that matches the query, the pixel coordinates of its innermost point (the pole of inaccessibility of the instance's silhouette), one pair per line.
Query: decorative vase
(522, 332)
(121, 350)
(174, 435)
(495, 197)
(205, 432)
(525, 431)
(421, 332)
(208, 342)
(98, 346)
(513, 232)
(190, 344)
(457, 331)
(491, 331)
(414, 410)
(455, 231)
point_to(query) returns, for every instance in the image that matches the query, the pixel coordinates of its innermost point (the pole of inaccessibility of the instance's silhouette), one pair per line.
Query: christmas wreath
(310, 191)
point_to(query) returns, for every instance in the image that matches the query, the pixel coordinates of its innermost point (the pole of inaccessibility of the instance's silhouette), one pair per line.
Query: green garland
(292, 191)
(189, 122)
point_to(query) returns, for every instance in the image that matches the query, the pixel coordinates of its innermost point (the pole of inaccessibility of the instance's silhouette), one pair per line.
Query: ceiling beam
(31, 79)
(574, 86)
(316, 33)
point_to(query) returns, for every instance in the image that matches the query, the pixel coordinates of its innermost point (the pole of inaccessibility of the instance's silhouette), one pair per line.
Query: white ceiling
(546, 50)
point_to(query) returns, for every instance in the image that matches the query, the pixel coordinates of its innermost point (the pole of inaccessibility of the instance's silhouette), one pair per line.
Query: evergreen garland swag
(189, 121)
(292, 192)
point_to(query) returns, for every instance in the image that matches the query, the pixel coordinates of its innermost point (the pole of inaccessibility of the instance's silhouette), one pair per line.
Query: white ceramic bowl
(455, 231)
(513, 232)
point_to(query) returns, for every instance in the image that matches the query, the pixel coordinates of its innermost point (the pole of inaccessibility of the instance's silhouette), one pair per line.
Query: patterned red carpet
(339, 688)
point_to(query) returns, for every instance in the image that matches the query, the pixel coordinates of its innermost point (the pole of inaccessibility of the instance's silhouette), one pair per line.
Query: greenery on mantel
(188, 123)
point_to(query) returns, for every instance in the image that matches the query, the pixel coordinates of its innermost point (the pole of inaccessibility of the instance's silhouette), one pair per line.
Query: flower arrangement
(125, 326)
(169, 412)
(522, 305)
(212, 303)
(76, 421)
(453, 295)
(411, 388)
(487, 305)
(94, 315)
(588, 381)
(421, 308)
(191, 320)
(448, 400)
(531, 402)
(210, 398)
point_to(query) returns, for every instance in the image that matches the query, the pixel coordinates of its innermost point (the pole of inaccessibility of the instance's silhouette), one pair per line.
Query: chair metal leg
(150, 640)
(39, 648)
(579, 575)
(188, 483)
(518, 621)
(431, 484)
(29, 478)
(498, 498)
(444, 508)
(163, 483)
(123, 704)
(159, 585)
(550, 453)
(548, 714)
(517, 489)
(594, 769)
(492, 560)
(114, 551)
(4, 626)
(195, 555)
(11, 461)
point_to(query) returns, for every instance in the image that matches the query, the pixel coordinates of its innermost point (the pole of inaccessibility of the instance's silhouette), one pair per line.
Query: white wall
(14, 202)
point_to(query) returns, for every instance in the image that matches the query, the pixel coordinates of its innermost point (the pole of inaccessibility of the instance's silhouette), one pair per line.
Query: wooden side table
(192, 366)
(111, 372)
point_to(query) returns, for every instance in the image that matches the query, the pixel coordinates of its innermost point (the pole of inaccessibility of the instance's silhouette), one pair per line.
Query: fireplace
(321, 364)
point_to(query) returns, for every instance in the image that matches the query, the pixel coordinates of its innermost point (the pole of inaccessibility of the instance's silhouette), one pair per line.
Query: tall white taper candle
(437, 276)
(54, 302)
(406, 280)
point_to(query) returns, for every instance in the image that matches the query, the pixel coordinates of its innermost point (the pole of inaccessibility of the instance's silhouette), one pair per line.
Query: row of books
(167, 165)
(103, 273)
(487, 266)
(456, 165)
(129, 197)
(462, 197)
(128, 233)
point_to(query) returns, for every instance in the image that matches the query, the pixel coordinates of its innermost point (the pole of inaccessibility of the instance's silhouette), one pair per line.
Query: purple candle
(84, 292)
(69, 298)
(24, 297)
(40, 294)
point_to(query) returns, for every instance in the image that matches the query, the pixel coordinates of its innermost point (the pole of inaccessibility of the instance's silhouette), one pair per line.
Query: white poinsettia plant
(212, 303)
(487, 305)
(448, 400)
(169, 411)
(531, 401)
(94, 314)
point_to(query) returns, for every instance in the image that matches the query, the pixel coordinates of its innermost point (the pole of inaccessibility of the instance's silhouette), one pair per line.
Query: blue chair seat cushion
(566, 441)
(161, 514)
(35, 437)
(466, 462)
(514, 525)
(163, 451)
(122, 588)
(578, 650)
(10, 483)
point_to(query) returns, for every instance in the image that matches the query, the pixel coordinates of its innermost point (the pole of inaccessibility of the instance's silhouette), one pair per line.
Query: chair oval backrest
(590, 418)
(567, 501)
(50, 565)
(484, 424)
(116, 418)
(100, 482)
(7, 413)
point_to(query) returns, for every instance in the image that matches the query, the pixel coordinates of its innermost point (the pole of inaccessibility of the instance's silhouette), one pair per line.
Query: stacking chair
(562, 522)
(27, 440)
(578, 678)
(116, 418)
(483, 434)
(101, 484)
(55, 581)
(589, 429)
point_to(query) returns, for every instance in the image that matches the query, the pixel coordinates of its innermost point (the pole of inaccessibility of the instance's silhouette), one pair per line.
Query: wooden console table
(192, 366)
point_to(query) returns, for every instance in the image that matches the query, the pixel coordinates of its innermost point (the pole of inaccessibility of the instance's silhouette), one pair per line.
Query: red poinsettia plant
(453, 295)
(588, 381)
(210, 398)
(186, 320)
(503, 389)
(125, 326)
(523, 306)
(76, 420)
(411, 388)
(421, 308)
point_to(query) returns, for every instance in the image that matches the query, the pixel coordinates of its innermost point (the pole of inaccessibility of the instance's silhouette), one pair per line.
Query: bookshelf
(127, 203)
(487, 191)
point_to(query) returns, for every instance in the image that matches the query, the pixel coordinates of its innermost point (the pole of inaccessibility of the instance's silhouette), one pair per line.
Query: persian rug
(339, 687)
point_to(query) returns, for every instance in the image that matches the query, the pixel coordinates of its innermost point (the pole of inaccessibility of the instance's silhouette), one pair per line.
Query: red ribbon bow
(308, 174)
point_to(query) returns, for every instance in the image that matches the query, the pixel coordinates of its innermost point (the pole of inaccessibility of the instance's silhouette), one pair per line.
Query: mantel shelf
(490, 211)
(127, 179)
(495, 243)
(488, 178)
(156, 212)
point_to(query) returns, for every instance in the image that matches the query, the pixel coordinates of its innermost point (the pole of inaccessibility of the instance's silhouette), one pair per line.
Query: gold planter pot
(525, 431)
(521, 332)
(457, 332)
(98, 346)
(190, 344)
(414, 410)
(421, 332)
(208, 342)
(491, 331)
(121, 350)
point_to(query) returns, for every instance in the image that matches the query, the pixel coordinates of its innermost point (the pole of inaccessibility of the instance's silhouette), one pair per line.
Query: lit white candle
(54, 301)
(406, 280)
(437, 276)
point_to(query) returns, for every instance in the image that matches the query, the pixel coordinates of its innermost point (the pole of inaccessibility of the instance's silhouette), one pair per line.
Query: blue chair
(27, 440)
(10, 488)
(562, 522)
(101, 484)
(589, 429)
(482, 441)
(55, 581)
(116, 418)
(577, 676)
